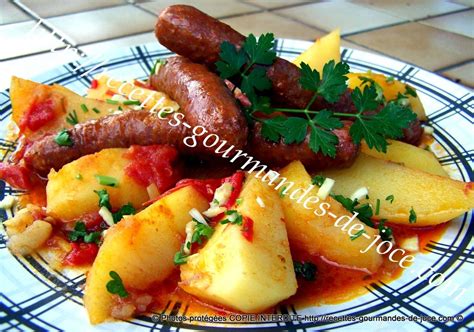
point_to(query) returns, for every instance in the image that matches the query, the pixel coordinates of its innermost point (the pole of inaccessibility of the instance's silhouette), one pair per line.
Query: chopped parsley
(111, 101)
(357, 235)
(157, 65)
(103, 198)
(63, 138)
(234, 217)
(364, 211)
(390, 79)
(384, 231)
(412, 217)
(410, 91)
(107, 180)
(125, 210)
(95, 110)
(201, 232)
(180, 258)
(84, 108)
(131, 102)
(80, 231)
(390, 198)
(115, 286)
(71, 118)
(306, 270)
(377, 207)
(318, 180)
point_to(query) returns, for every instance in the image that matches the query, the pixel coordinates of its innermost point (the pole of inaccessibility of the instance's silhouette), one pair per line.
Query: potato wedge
(390, 90)
(434, 199)
(318, 235)
(24, 94)
(409, 156)
(249, 276)
(323, 50)
(70, 191)
(140, 249)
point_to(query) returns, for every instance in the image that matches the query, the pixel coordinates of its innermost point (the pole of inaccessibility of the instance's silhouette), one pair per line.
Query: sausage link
(279, 154)
(205, 99)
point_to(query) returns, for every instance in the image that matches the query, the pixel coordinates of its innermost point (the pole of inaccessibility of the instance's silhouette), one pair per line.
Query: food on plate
(142, 183)
(323, 50)
(320, 234)
(261, 274)
(407, 196)
(140, 249)
(409, 156)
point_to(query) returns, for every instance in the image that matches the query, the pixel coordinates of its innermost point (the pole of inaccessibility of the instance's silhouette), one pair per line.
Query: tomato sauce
(39, 114)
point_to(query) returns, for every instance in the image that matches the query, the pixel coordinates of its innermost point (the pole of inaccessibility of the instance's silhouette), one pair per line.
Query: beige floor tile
(96, 49)
(347, 16)
(48, 8)
(354, 46)
(462, 23)
(267, 22)
(275, 3)
(412, 9)
(103, 24)
(211, 7)
(30, 66)
(23, 38)
(9, 13)
(420, 44)
(462, 74)
(469, 3)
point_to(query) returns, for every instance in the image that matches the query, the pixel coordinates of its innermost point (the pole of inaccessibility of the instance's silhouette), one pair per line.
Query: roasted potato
(434, 199)
(391, 89)
(70, 191)
(323, 50)
(249, 276)
(140, 249)
(409, 156)
(318, 235)
(25, 94)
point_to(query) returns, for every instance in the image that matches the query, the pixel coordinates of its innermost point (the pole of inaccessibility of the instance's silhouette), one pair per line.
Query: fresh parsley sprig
(80, 231)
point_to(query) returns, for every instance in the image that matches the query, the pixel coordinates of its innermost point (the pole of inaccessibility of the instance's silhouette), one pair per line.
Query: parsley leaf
(365, 100)
(331, 85)
(80, 231)
(231, 60)
(106, 180)
(180, 258)
(201, 231)
(63, 138)
(322, 140)
(103, 198)
(318, 180)
(234, 218)
(307, 270)
(412, 217)
(273, 128)
(261, 51)
(390, 198)
(256, 80)
(384, 231)
(125, 210)
(364, 211)
(72, 118)
(115, 286)
(410, 91)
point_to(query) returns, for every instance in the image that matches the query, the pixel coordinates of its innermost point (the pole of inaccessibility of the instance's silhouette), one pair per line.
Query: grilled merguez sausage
(189, 32)
(205, 99)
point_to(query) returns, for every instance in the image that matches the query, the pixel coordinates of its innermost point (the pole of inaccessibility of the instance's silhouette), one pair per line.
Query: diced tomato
(81, 254)
(94, 84)
(16, 175)
(205, 187)
(142, 85)
(236, 181)
(247, 228)
(39, 114)
(153, 164)
(109, 93)
(93, 221)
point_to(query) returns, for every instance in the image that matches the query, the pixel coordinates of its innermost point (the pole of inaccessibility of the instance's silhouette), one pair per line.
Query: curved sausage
(280, 154)
(204, 97)
(113, 131)
(187, 31)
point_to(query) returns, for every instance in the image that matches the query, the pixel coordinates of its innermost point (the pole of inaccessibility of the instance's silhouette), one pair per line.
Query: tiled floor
(433, 34)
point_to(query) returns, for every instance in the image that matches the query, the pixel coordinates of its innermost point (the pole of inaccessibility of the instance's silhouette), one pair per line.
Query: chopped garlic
(233, 217)
(153, 191)
(410, 244)
(190, 227)
(428, 130)
(222, 194)
(214, 211)
(260, 202)
(325, 188)
(107, 216)
(9, 204)
(360, 193)
(197, 216)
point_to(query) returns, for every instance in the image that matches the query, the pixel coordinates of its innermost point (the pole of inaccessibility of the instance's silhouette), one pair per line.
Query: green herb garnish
(390, 198)
(410, 91)
(377, 207)
(180, 258)
(80, 231)
(63, 138)
(307, 270)
(234, 218)
(384, 231)
(71, 118)
(412, 217)
(111, 101)
(318, 180)
(357, 235)
(364, 211)
(103, 198)
(158, 63)
(131, 102)
(201, 232)
(107, 180)
(95, 110)
(84, 108)
(125, 210)
(115, 286)
(239, 201)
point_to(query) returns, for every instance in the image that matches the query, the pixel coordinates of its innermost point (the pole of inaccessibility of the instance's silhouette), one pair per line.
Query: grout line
(143, 9)
(64, 38)
(462, 63)
(279, 7)
(442, 14)
(349, 34)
